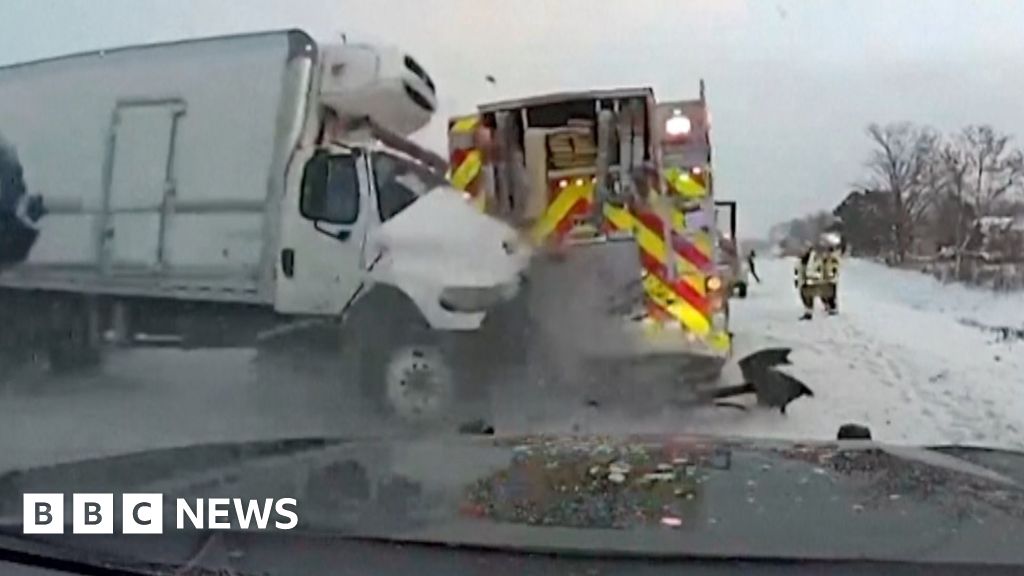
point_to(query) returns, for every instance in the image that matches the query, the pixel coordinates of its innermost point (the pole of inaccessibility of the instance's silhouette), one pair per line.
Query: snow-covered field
(905, 357)
(900, 358)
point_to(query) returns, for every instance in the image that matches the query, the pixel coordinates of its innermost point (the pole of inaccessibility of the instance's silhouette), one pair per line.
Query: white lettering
(42, 513)
(196, 517)
(219, 510)
(282, 510)
(253, 509)
(92, 514)
(142, 513)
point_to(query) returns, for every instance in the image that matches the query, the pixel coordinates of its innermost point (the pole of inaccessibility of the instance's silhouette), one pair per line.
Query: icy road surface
(907, 357)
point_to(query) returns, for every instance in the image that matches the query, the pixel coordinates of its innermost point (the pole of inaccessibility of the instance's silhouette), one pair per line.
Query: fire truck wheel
(741, 290)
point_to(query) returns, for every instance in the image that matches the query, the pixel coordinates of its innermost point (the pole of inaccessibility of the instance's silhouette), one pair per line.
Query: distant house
(1002, 236)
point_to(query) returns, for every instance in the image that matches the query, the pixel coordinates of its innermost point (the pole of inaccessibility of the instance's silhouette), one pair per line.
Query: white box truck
(194, 187)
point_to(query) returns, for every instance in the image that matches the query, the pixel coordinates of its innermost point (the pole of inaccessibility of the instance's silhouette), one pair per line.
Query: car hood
(650, 496)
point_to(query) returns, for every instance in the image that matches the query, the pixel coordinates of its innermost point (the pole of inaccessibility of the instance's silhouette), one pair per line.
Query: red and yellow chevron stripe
(568, 202)
(466, 159)
(682, 295)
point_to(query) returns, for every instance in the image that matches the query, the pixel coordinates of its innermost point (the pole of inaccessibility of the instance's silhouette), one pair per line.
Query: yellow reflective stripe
(559, 209)
(684, 184)
(467, 124)
(665, 298)
(719, 341)
(653, 244)
(468, 170)
(679, 220)
(702, 242)
(649, 242)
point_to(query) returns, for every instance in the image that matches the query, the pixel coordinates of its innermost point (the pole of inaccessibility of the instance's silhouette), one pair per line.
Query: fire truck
(615, 190)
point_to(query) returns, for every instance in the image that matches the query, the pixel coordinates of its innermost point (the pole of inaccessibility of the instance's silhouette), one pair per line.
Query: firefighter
(817, 276)
(831, 248)
(752, 267)
(808, 276)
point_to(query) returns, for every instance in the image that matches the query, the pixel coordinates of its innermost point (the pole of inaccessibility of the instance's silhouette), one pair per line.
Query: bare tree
(903, 164)
(995, 168)
(953, 171)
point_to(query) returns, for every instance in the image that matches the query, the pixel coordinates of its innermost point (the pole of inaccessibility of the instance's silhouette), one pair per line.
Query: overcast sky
(791, 84)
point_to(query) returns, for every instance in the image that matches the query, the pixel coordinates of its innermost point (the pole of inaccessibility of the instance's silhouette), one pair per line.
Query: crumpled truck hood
(441, 239)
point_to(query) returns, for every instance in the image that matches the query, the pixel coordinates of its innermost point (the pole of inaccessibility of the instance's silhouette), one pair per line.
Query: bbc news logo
(144, 514)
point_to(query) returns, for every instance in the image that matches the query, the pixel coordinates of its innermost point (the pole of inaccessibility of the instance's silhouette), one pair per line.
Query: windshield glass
(400, 182)
(707, 278)
(330, 189)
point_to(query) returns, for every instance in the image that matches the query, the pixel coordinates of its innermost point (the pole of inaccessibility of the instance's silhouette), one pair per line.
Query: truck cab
(365, 206)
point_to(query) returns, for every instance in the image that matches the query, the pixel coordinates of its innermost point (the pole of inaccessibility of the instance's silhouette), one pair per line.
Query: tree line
(923, 191)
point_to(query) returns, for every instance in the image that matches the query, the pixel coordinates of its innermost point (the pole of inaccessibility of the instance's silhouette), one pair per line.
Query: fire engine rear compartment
(520, 124)
(585, 299)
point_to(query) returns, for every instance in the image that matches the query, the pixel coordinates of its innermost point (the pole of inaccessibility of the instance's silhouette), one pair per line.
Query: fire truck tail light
(714, 284)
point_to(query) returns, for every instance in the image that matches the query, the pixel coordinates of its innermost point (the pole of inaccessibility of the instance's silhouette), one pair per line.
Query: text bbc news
(144, 513)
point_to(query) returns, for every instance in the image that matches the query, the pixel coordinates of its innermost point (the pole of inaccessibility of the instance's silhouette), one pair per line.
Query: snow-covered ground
(900, 358)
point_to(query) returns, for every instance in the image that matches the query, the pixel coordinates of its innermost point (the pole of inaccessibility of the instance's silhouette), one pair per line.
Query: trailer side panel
(157, 165)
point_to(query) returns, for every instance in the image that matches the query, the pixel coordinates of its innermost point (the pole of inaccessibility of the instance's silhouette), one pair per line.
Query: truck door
(140, 184)
(325, 215)
(725, 218)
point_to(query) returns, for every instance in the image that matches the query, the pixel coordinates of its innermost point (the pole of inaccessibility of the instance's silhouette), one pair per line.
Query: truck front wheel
(403, 369)
(418, 381)
(406, 372)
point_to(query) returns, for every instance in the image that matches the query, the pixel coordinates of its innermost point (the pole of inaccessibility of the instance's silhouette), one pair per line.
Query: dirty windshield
(687, 279)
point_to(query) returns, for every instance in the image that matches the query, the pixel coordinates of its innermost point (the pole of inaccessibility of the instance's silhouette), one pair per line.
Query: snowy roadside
(924, 292)
(899, 358)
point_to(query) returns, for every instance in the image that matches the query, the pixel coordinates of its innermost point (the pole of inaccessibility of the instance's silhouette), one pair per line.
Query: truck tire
(406, 373)
(741, 290)
(403, 369)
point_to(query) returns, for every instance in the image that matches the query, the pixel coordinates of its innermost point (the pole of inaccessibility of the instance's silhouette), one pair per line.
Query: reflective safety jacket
(816, 267)
(830, 266)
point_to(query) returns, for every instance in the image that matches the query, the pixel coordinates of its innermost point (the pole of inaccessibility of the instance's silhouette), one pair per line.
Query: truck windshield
(400, 182)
